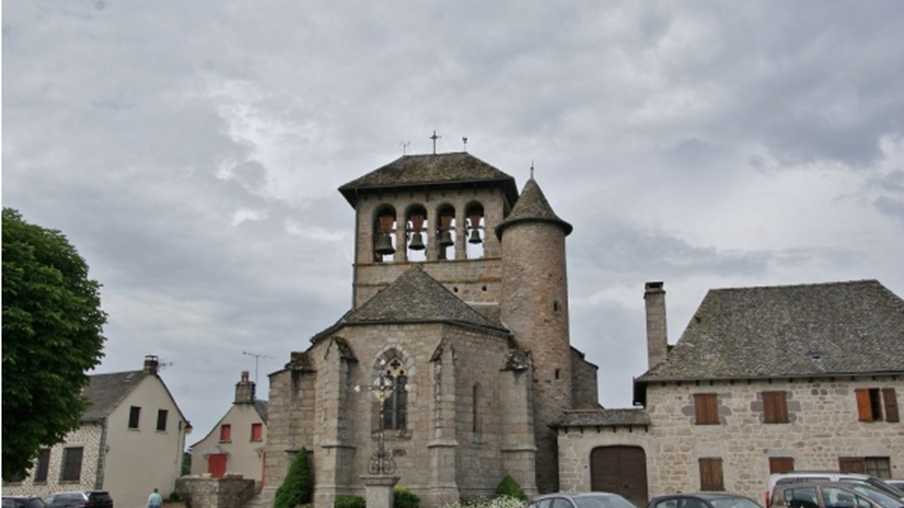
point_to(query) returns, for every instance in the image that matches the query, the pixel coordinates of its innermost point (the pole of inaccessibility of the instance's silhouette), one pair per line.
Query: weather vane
(434, 137)
(404, 145)
(532, 170)
(465, 141)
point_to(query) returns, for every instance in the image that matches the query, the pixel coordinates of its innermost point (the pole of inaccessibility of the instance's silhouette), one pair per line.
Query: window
(775, 407)
(43, 465)
(257, 432)
(781, 464)
(134, 416)
(395, 407)
(706, 409)
(476, 417)
(872, 401)
(880, 467)
(225, 432)
(72, 464)
(161, 419)
(711, 474)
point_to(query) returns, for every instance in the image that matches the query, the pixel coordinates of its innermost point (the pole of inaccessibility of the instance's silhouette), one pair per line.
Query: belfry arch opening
(384, 238)
(445, 232)
(416, 237)
(476, 231)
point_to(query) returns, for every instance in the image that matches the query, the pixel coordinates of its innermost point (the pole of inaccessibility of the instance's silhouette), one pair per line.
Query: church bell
(417, 242)
(445, 239)
(474, 237)
(384, 245)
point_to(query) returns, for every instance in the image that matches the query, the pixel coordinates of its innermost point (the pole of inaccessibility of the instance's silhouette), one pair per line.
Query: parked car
(831, 495)
(829, 476)
(894, 482)
(79, 499)
(702, 500)
(22, 502)
(581, 500)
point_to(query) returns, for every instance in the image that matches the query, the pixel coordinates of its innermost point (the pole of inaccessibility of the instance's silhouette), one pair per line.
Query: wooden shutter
(852, 464)
(706, 409)
(711, 474)
(891, 405)
(864, 408)
(781, 464)
(775, 407)
(257, 432)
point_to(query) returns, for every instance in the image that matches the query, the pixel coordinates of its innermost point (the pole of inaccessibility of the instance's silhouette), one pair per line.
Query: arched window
(394, 413)
(417, 241)
(475, 230)
(476, 415)
(445, 233)
(383, 234)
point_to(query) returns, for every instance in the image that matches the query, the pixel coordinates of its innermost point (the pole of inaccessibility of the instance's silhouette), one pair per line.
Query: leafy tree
(52, 325)
(296, 487)
(186, 463)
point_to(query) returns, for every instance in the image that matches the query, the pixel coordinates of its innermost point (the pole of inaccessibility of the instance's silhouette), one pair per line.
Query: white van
(828, 476)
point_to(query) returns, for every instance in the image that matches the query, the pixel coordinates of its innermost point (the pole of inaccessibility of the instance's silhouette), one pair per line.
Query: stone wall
(231, 491)
(823, 426)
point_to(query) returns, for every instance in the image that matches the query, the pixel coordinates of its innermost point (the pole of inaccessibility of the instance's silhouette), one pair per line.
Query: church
(454, 364)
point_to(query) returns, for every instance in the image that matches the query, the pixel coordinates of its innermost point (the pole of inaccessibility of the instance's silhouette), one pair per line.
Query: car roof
(701, 495)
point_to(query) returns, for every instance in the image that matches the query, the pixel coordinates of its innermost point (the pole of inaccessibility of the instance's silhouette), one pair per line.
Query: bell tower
(434, 209)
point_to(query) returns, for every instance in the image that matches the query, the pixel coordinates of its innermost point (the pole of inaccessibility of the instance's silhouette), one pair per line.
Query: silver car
(581, 500)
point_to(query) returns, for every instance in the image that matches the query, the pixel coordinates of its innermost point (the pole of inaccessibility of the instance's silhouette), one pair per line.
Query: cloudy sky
(191, 152)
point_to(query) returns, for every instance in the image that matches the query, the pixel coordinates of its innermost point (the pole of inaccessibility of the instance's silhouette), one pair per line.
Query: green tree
(296, 487)
(52, 335)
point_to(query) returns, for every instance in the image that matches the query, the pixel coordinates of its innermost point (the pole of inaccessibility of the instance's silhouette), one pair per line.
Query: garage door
(620, 469)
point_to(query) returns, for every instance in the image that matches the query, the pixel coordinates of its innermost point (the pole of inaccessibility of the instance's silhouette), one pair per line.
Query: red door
(216, 465)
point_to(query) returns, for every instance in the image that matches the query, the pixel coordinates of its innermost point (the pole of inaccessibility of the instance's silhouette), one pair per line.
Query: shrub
(296, 488)
(498, 502)
(404, 498)
(509, 487)
(349, 502)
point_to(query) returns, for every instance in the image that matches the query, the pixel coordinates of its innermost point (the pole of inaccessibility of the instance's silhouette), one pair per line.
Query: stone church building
(455, 357)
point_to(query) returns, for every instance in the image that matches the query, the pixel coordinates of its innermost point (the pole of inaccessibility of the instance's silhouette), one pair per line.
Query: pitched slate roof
(604, 418)
(434, 170)
(105, 391)
(262, 406)
(414, 297)
(841, 328)
(532, 206)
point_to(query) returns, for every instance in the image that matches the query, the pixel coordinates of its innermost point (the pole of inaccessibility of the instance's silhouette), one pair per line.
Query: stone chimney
(244, 390)
(657, 333)
(150, 364)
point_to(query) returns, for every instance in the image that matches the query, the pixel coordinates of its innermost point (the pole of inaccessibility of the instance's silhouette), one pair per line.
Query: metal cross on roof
(434, 137)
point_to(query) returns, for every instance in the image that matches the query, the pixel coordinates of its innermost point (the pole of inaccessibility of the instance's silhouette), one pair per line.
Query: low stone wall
(231, 491)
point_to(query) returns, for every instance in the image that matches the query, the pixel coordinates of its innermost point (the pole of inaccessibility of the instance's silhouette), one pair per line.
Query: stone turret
(535, 307)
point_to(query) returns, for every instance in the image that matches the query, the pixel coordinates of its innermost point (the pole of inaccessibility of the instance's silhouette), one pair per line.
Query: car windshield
(603, 501)
(733, 502)
(884, 487)
(879, 497)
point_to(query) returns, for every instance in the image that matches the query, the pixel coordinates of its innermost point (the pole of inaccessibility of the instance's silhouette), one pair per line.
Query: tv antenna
(257, 357)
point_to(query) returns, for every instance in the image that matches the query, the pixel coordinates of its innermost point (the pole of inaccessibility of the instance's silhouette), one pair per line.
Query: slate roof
(105, 391)
(414, 297)
(532, 206)
(842, 328)
(262, 406)
(604, 418)
(445, 170)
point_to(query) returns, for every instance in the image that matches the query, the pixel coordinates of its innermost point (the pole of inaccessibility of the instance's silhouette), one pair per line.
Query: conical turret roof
(532, 206)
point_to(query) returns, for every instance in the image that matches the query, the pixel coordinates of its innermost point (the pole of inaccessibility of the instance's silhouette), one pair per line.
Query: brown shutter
(711, 474)
(891, 405)
(769, 407)
(864, 409)
(706, 408)
(781, 464)
(852, 464)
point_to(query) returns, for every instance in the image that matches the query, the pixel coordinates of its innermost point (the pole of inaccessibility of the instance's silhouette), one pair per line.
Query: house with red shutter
(763, 379)
(235, 445)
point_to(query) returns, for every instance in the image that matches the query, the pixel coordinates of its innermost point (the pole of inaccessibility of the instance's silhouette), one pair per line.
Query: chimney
(244, 390)
(657, 333)
(150, 364)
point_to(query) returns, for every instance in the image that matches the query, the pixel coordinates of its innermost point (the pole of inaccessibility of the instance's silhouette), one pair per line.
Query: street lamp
(381, 462)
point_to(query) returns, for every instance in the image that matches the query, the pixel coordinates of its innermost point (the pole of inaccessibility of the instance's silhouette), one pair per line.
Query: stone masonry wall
(88, 436)
(227, 492)
(823, 426)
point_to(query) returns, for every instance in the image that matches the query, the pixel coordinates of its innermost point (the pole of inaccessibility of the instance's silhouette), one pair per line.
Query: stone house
(236, 443)
(131, 440)
(455, 357)
(763, 379)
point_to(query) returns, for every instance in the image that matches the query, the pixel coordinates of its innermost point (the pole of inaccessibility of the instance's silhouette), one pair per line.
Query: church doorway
(620, 469)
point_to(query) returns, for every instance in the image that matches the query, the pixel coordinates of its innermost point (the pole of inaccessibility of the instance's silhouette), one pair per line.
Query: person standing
(154, 500)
